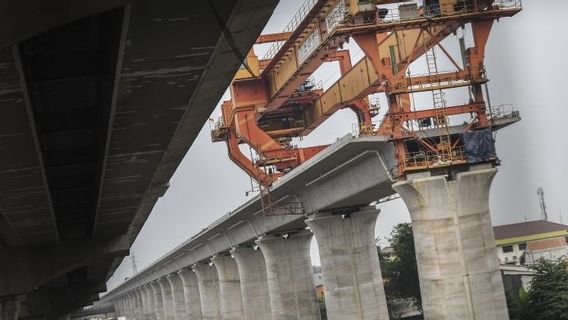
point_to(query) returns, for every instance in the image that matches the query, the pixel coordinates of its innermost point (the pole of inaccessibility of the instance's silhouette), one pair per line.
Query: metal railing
(429, 159)
(291, 26)
(220, 123)
(413, 12)
(439, 80)
(363, 129)
(502, 111)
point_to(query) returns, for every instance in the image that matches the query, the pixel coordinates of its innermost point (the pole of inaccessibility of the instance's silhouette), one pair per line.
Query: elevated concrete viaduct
(99, 102)
(273, 279)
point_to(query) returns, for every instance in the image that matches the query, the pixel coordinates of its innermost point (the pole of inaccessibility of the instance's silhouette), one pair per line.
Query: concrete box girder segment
(28, 268)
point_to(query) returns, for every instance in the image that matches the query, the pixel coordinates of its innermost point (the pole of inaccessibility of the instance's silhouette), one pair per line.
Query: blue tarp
(479, 146)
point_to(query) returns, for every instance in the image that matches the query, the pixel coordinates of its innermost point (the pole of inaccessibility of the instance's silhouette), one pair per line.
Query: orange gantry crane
(273, 100)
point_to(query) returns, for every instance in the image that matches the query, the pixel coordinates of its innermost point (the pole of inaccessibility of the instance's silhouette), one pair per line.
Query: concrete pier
(178, 297)
(290, 276)
(144, 304)
(208, 291)
(9, 310)
(350, 265)
(124, 303)
(150, 300)
(191, 292)
(118, 307)
(455, 246)
(254, 283)
(131, 306)
(167, 298)
(229, 287)
(145, 311)
(158, 300)
(139, 312)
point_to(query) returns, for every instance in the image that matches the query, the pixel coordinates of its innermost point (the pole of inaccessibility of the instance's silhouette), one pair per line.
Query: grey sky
(525, 62)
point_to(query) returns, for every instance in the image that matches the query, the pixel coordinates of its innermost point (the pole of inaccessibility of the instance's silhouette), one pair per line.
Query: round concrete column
(455, 246)
(208, 291)
(126, 303)
(131, 306)
(178, 296)
(126, 306)
(117, 308)
(168, 299)
(119, 305)
(139, 312)
(9, 309)
(191, 293)
(350, 265)
(254, 283)
(158, 300)
(150, 300)
(145, 312)
(229, 287)
(290, 276)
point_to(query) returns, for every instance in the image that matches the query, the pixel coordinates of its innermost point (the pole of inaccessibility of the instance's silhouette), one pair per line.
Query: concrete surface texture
(145, 313)
(178, 296)
(455, 246)
(167, 298)
(208, 291)
(131, 305)
(9, 310)
(158, 300)
(254, 283)
(139, 304)
(350, 265)
(229, 287)
(290, 276)
(151, 308)
(191, 291)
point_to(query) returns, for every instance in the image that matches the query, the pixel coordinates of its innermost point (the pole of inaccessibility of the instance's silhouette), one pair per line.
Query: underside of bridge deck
(99, 102)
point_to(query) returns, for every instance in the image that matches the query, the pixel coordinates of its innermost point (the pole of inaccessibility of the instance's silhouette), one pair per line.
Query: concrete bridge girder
(31, 267)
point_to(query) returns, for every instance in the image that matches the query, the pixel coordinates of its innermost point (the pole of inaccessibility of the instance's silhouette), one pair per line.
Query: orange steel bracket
(344, 59)
(243, 128)
(273, 37)
(369, 43)
(244, 163)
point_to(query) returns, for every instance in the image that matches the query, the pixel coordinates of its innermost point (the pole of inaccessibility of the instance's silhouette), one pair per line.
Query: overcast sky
(525, 62)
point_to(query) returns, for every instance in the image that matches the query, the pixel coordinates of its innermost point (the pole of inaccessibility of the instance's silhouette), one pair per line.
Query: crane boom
(279, 102)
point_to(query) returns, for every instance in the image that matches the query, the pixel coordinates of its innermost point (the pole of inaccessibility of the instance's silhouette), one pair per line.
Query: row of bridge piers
(273, 278)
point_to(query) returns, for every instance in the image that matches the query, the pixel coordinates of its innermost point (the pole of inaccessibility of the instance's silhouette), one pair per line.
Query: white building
(513, 240)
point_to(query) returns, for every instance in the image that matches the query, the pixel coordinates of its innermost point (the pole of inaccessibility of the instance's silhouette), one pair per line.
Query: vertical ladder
(440, 106)
(264, 190)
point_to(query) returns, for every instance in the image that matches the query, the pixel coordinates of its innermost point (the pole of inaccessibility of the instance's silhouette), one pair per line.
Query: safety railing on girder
(429, 159)
(502, 111)
(409, 12)
(423, 82)
(291, 26)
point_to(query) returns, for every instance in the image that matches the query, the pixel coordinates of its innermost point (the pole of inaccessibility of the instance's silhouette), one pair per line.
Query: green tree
(548, 293)
(519, 308)
(400, 270)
